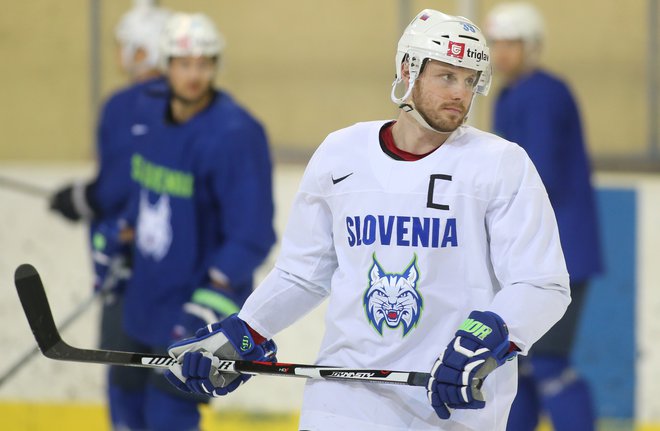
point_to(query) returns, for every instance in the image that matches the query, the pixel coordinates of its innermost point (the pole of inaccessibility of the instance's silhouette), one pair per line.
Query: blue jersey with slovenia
(201, 198)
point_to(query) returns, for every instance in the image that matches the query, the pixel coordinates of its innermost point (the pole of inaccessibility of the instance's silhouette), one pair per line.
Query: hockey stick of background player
(29, 354)
(24, 187)
(35, 304)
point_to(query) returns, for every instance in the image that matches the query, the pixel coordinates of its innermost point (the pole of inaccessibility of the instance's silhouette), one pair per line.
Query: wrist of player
(218, 278)
(111, 257)
(479, 346)
(206, 306)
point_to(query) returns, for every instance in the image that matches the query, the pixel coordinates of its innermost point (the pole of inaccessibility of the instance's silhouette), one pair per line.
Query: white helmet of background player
(141, 28)
(517, 21)
(190, 35)
(451, 39)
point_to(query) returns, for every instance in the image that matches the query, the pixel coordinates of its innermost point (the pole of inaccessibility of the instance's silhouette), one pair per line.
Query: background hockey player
(435, 243)
(201, 209)
(137, 36)
(537, 110)
(102, 200)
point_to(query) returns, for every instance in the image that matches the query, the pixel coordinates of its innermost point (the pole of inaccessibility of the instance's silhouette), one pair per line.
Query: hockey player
(537, 110)
(102, 200)
(434, 242)
(137, 35)
(200, 208)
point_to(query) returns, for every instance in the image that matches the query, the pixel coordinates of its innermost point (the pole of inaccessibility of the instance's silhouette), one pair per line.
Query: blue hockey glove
(111, 257)
(206, 306)
(480, 345)
(197, 358)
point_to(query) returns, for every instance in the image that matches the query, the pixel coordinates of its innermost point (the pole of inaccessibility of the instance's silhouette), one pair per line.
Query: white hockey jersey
(404, 251)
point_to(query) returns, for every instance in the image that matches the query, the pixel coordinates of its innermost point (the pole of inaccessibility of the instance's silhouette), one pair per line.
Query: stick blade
(37, 310)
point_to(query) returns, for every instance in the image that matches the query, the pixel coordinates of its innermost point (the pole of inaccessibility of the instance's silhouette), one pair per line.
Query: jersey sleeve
(110, 188)
(241, 188)
(525, 251)
(305, 266)
(103, 153)
(279, 301)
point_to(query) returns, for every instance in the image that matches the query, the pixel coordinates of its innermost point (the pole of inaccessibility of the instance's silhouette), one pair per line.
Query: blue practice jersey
(110, 189)
(114, 148)
(539, 113)
(201, 198)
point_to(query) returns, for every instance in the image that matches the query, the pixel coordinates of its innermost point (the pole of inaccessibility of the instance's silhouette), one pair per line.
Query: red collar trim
(389, 147)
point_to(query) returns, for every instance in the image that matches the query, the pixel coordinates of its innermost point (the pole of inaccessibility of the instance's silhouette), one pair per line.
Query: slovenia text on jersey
(400, 230)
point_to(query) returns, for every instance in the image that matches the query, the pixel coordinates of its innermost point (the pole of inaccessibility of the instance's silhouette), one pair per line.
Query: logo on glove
(245, 344)
(476, 328)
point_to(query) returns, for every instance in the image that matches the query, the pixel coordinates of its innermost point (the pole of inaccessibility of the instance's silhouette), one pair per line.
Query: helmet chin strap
(410, 110)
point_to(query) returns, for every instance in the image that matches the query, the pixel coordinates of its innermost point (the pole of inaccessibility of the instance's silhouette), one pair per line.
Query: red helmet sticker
(456, 49)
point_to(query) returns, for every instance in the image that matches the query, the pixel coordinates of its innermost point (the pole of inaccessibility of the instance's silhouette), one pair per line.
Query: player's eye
(448, 78)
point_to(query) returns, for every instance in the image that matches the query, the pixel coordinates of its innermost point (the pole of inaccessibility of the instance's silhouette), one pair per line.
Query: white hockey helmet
(450, 39)
(141, 28)
(515, 21)
(190, 35)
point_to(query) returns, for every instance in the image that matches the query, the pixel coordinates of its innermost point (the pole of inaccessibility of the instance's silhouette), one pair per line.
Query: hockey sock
(525, 411)
(126, 408)
(565, 396)
(167, 412)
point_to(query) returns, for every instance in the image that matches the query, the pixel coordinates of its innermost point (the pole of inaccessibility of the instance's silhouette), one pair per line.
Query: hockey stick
(24, 187)
(37, 310)
(29, 354)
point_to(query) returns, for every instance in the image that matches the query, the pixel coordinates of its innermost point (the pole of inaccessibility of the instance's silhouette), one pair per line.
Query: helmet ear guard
(415, 68)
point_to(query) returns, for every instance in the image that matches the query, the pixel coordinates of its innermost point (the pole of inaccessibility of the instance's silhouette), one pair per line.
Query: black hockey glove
(74, 201)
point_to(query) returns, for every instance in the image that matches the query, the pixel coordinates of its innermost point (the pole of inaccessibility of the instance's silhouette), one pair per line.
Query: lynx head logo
(154, 230)
(393, 299)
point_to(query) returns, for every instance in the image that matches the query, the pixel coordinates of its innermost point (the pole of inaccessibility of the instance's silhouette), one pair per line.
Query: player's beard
(434, 115)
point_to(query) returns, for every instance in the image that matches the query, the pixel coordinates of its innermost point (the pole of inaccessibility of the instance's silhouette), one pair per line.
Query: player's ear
(139, 56)
(405, 69)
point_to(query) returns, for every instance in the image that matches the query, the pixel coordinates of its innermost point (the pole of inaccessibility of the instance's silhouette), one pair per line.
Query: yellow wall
(44, 107)
(304, 67)
(599, 46)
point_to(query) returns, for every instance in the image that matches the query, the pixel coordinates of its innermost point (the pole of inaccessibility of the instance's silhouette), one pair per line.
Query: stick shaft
(37, 310)
(24, 187)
